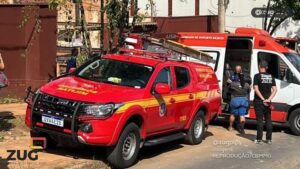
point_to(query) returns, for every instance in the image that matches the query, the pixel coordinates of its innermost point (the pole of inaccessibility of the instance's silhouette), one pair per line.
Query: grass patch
(10, 100)
(96, 165)
(86, 165)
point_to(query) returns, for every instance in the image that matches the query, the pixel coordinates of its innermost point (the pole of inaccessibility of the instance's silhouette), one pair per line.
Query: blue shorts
(239, 106)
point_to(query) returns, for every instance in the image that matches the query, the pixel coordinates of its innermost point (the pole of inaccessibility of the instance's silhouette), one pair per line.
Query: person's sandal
(229, 128)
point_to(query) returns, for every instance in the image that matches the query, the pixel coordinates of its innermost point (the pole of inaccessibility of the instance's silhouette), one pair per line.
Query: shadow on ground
(148, 152)
(82, 152)
(251, 125)
(3, 163)
(5, 124)
(99, 154)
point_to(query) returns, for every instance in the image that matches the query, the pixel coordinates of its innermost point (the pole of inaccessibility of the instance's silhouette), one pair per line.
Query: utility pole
(102, 25)
(221, 16)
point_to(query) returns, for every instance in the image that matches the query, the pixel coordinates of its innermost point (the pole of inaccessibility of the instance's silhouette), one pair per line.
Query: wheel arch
(204, 108)
(133, 114)
(291, 109)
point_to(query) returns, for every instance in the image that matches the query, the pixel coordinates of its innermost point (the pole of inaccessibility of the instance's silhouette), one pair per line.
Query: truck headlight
(101, 111)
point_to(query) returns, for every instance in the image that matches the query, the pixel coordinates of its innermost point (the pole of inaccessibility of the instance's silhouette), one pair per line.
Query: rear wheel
(294, 121)
(125, 153)
(197, 129)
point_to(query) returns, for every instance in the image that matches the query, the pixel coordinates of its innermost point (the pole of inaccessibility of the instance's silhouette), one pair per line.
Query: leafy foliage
(54, 4)
(282, 10)
(117, 12)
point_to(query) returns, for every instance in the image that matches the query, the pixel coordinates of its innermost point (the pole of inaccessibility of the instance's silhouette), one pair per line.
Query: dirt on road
(14, 135)
(219, 149)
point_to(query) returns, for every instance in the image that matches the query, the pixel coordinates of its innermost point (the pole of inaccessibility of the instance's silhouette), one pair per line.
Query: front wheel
(294, 121)
(197, 129)
(125, 153)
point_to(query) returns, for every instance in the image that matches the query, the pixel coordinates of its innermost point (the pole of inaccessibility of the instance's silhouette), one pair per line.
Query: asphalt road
(222, 149)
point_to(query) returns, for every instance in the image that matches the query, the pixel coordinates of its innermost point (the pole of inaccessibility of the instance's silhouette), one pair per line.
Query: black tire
(294, 121)
(130, 138)
(51, 143)
(193, 137)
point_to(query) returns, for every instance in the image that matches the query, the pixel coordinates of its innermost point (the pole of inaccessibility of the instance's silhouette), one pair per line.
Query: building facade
(239, 13)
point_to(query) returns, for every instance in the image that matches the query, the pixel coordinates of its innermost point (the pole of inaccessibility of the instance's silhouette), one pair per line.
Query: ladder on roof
(182, 49)
(171, 46)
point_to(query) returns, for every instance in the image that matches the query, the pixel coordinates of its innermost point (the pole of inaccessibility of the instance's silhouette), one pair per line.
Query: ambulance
(248, 47)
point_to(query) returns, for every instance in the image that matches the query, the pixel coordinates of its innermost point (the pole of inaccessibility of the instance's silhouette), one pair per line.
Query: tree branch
(271, 21)
(266, 15)
(277, 24)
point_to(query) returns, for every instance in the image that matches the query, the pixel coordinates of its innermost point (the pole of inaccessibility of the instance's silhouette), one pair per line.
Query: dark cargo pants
(263, 112)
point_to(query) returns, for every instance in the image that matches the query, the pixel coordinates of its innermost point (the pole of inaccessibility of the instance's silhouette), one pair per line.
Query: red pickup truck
(125, 101)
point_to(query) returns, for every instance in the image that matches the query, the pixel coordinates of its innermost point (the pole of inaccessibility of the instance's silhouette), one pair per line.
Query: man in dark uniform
(265, 90)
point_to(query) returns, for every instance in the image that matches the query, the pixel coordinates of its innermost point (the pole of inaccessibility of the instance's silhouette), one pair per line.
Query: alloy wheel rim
(198, 128)
(297, 122)
(129, 146)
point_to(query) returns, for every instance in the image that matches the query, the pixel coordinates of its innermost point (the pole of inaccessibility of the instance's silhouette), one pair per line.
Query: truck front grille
(54, 106)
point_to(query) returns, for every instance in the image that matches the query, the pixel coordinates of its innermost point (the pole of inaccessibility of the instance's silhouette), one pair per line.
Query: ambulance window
(215, 59)
(164, 76)
(276, 66)
(182, 77)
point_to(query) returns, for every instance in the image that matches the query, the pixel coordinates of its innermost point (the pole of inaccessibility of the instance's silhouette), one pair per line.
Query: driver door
(161, 117)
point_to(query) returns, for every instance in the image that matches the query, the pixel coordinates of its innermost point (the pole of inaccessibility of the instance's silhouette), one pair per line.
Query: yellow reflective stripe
(201, 95)
(152, 102)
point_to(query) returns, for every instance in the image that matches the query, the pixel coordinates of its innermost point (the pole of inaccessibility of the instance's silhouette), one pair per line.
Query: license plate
(56, 121)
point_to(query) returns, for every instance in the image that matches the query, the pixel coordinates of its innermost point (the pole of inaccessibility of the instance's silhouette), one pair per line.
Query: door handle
(172, 100)
(191, 96)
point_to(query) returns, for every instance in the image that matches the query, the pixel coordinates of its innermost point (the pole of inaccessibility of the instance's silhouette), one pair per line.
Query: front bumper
(102, 133)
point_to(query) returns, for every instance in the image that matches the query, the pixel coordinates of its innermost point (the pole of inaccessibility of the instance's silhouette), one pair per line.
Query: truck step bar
(164, 139)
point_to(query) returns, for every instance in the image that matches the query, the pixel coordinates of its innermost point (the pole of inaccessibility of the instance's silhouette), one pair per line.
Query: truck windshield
(294, 59)
(117, 72)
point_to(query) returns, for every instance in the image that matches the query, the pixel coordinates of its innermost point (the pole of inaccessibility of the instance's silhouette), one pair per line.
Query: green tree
(79, 30)
(117, 12)
(278, 11)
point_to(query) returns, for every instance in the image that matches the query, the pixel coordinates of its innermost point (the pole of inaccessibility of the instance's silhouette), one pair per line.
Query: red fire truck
(128, 100)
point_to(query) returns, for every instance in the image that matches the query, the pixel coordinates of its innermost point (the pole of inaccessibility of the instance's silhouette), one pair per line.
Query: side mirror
(162, 88)
(72, 69)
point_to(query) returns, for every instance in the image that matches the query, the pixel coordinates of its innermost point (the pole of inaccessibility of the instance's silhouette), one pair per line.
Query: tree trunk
(123, 23)
(102, 25)
(271, 21)
(85, 33)
(134, 15)
(266, 15)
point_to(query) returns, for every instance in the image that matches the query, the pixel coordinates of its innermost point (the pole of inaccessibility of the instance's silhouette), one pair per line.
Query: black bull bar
(31, 99)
